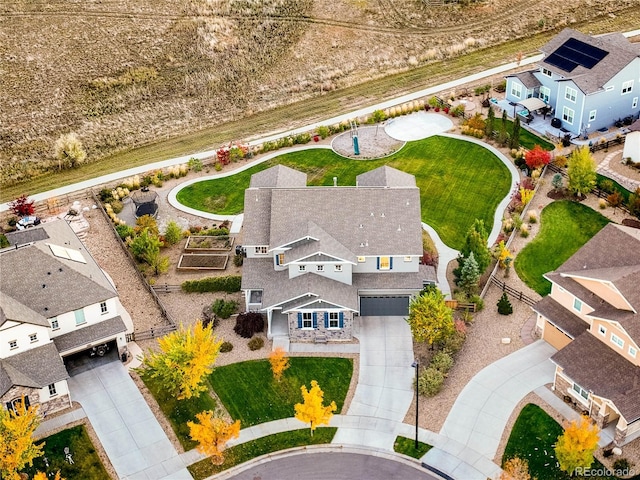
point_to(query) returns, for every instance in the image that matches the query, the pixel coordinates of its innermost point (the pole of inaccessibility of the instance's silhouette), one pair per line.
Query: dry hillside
(121, 73)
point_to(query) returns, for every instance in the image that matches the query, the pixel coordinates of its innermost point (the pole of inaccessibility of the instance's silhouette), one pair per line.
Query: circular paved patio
(417, 126)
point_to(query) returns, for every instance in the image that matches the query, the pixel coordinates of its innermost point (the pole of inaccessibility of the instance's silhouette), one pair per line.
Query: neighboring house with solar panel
(589, 82)
(592, 316)
(55, 301)
(318, 256)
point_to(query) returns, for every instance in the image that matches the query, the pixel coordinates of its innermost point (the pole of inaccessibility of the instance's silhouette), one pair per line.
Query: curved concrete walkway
(603, 169)
(445, 255)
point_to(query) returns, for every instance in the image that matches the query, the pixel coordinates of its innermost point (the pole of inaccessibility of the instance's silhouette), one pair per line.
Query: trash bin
(124, 357)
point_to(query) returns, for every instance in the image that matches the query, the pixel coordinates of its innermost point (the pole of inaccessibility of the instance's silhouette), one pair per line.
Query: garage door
(384, 306)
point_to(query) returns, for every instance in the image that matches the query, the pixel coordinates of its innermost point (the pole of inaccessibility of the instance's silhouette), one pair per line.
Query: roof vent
(46, 309)
(372, 214)
(44, 286)
(399, 229)
(366, 244)
(360, 226)
(407, 203)
(382, 214)
(48, 273)
(361, 244)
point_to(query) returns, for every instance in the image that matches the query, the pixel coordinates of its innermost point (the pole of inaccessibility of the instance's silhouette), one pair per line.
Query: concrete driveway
(481, 411)
(385, 382)
(129, 432)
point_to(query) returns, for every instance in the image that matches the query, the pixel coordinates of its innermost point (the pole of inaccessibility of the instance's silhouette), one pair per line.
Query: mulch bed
(629, 222)
(199, 260)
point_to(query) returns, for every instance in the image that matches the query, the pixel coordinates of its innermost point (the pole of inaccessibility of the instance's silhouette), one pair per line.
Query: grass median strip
(262, 446)
(407, 446)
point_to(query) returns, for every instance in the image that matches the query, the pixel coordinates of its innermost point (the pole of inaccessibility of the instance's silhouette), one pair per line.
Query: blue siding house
(587, 82)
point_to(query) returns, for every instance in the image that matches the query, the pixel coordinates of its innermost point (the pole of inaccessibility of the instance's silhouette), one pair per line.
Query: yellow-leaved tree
(17, 447)
(516, 469)
(185, 357)
(212, 434)
(312, 410)
(576, 445)
(279, 362)
(430, 319)
(43, 476)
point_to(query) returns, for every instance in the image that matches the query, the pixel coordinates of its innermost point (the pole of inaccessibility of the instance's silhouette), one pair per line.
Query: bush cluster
(224, 308)
(256, 343)
(228, 283)
(248, 324)
(472, 132)
(226, 347)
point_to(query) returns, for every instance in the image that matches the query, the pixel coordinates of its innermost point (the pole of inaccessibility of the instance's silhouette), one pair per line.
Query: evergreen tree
(504, 305)
(514, 141)
(469, 275)
(490, 123)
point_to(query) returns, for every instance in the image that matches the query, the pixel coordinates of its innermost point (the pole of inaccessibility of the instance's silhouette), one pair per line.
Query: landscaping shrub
(323, 131)
(215, 232)
(477, 299)
(172, 233)
(256, 343)
(105, 195)
(209, 317)
(248, 324)
(453, 343)
(226, 347)
(224, 308)
(238, 260)
(442, 362)
(504, 305)
(430, 382)
(229, 284)
(622, 464)
(4, 243)
(302, 138)
(149, 223)
(125, 231)
(602, 204)
(195, 164)
(116, 205)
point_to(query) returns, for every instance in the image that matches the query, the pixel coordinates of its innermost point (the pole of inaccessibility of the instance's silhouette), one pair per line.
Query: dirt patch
(373, 142)
(203, 261)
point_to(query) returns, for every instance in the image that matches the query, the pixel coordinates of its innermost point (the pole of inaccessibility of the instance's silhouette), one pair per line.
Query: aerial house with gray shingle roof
(592, 317)
(55, 301)
(318, 256)
(588, 81)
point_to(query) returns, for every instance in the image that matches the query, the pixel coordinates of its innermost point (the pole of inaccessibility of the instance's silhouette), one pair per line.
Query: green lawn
(179, 412)
(533, 439)
(527, 139)
(407, 446)
(459, 181)
(251, 395)
(87, 464)
(565, 226)
(271, 443)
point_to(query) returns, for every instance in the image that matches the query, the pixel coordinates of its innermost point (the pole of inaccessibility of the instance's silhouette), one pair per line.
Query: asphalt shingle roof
(620, 54)
(596, 367)
(560, 316)
(35, 368)
(90, 334)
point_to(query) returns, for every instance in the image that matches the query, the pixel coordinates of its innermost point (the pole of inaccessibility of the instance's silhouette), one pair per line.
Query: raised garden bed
(202, 243)
(203, 261)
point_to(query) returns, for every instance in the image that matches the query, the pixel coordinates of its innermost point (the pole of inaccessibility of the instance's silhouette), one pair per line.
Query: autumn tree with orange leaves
(311, 410)
(576, 445)
(516, 469)
(212, 434)
(279, 362)
(17, 447)
(43, 476)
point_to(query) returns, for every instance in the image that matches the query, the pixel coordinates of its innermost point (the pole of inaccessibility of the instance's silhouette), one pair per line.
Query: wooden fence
(165, 288)
(518, 295)
(152, 333)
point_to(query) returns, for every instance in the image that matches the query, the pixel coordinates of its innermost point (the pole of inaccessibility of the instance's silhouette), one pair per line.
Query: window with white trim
(570, 94)
(632, 351)
(302, 268)
(567, 115)
(260, 250)
(577, 304)
(592, 115)
(516, 90)
(634, 104)
(602, 330)
(52, 390)
(580, 391)
(54, 324)
(546, 72)
(627, 87)
(545, 94)
(319, 268)
(13, 344)
(337, 268)
(385, 263)
(280, 258)
(307, 320)
(103, 307)
(361, 259)
(33, 337)
(79, 314)
(617, 340)
(334, 320)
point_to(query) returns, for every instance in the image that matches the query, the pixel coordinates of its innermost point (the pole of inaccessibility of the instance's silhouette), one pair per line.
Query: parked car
(26, 222)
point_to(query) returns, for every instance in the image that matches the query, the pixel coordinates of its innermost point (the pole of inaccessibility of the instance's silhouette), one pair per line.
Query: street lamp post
(415, 365)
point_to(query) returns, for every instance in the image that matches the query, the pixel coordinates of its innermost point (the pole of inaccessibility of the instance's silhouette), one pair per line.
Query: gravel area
(373, 142)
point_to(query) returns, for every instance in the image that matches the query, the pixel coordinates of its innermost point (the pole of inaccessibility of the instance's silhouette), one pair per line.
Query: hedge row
(229, 284)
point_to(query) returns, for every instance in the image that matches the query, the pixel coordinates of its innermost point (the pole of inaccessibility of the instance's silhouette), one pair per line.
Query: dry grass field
(126, 73)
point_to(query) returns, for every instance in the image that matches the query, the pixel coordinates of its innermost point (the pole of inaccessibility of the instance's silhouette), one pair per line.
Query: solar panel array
(573, 53)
